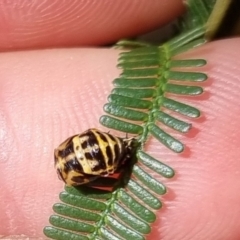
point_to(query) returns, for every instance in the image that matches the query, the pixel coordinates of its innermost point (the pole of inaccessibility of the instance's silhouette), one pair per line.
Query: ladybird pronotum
(85, 157)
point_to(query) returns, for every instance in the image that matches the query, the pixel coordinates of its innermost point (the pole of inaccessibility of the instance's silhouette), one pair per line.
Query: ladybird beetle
(85, 157)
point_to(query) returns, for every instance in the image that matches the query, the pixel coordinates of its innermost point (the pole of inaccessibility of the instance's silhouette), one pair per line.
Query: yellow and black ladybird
(85, 157)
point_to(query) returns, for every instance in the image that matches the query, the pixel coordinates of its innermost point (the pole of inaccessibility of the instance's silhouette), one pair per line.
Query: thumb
(49, 95)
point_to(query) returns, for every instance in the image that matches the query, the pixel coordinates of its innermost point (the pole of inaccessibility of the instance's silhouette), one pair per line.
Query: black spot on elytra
(92, 140)
(84, 144)
(110, 155)
(88, 156)
(95, 153)
(102, 136)
(118, 152)
(78, 180)
(65, 152)
(74, 165)
(111, 137)
(97, 168)
(98, 156)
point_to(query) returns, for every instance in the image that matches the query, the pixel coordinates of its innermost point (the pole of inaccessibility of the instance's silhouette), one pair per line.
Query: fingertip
(78, 23)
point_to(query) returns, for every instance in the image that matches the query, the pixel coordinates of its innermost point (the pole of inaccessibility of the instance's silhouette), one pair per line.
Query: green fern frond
(141, 103)
(139, 96)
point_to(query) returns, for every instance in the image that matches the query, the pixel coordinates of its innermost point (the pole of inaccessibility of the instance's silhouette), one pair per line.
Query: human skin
(48, 95)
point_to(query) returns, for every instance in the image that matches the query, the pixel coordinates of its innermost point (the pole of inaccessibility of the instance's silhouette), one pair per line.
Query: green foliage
(144, 102)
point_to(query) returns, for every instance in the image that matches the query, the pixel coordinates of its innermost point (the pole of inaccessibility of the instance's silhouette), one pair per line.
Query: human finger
(62, 93)
(36, 24)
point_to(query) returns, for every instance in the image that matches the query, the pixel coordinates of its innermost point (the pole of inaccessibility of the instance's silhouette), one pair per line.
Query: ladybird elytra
(84, 157)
